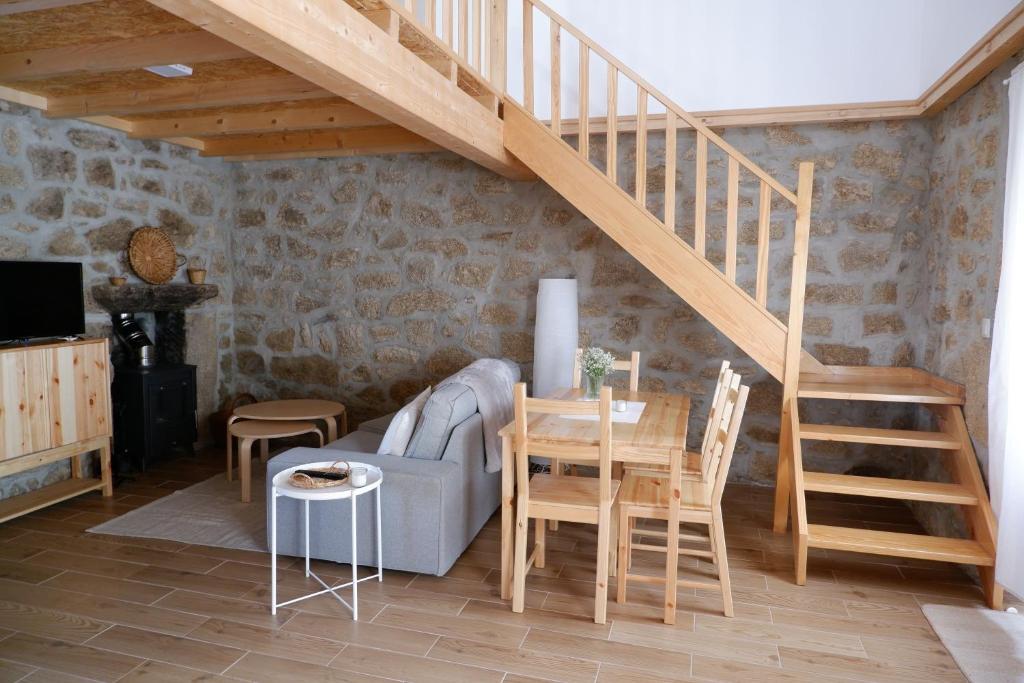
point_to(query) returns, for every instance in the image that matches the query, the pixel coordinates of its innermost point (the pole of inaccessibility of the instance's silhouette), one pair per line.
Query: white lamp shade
(556, 335)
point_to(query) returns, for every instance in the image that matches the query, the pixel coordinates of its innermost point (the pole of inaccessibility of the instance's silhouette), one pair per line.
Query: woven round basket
(304, 481)
(152, 256)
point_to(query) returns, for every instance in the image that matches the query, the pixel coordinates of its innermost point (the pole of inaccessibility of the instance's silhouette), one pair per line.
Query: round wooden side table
(298, 409)
(281, 486)
(251, 431)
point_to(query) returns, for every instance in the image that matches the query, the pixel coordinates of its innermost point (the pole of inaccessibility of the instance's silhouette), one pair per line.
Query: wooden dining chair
(632, 365)
(690, 464)
(676, 500)
(569, 499)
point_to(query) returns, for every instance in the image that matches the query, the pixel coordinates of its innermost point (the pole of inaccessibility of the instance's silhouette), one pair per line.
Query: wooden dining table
(659, 434)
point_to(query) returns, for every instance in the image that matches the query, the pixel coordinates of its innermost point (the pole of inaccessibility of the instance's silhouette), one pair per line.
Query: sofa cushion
(400, 431)
(445, 409)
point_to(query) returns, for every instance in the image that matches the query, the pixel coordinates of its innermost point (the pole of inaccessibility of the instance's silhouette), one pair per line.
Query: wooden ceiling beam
(341, 142)
(9, 7)
(331, 44)
(338, 114)
(180, 94)
(118, 55)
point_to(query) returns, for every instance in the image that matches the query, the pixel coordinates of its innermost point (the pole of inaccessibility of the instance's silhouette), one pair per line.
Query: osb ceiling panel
(140, 79)
(89, 23)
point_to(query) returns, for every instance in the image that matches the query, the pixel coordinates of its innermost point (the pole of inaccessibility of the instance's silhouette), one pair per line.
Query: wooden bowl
(117, 281)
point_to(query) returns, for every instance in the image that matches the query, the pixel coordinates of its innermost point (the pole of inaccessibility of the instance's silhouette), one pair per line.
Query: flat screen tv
(40, 299)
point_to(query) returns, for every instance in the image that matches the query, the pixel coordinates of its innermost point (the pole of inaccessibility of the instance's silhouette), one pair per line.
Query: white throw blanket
(491, 380)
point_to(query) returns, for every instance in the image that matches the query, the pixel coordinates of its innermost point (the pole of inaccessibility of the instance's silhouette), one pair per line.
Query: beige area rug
(988, 646)
(207, 513)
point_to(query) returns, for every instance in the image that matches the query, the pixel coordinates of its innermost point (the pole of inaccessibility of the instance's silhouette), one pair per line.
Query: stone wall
(73, 191)
(367, 279)
(965, 217)
(964, 246)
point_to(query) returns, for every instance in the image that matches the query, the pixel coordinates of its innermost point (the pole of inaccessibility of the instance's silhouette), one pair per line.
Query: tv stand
(54, 405)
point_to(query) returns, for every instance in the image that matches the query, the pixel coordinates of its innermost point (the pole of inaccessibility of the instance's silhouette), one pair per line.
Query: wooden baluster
(528, 56)
(430, 14)
(464, 29)
(478, 18)
(763, 235)
(641, 146)
(556, 78)
(670, 170)
(409, 5)
(496, 50)
(612, 126)
(731, 216)
(700, 208)
(446, 22)
(584, 117)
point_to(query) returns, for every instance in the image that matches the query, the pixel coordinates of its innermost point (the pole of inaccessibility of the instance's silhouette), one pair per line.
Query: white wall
(730, 54)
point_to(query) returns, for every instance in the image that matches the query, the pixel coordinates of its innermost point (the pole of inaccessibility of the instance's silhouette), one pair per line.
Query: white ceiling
(732, 54)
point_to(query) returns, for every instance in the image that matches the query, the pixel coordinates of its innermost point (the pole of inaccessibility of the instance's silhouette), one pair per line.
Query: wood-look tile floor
(79, 606)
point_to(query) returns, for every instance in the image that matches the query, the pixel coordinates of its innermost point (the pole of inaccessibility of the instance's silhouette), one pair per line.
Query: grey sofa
(434, 501)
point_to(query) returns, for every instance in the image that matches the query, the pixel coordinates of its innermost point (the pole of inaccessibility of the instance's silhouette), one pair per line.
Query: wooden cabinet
(54, 405)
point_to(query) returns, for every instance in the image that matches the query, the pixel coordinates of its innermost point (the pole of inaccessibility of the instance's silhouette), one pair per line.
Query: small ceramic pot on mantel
(197, 276)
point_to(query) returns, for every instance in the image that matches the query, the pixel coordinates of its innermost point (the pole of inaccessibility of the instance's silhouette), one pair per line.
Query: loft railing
(474, 30)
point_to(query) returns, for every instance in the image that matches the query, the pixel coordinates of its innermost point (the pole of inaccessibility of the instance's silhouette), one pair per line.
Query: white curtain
(1006, 369)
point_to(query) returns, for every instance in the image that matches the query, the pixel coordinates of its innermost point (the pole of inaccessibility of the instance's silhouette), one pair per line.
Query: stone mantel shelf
(140, 298)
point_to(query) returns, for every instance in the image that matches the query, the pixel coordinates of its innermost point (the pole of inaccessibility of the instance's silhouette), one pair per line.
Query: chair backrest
(525, 447)
(632, 365)
(713, 411)
(724, 441)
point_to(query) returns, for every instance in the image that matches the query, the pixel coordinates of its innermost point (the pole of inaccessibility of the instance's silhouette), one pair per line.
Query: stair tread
(880, 487)
(888, 437)
(876, 390)
(939, 548)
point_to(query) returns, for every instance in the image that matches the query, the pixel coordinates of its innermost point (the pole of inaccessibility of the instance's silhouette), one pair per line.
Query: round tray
(152, 256)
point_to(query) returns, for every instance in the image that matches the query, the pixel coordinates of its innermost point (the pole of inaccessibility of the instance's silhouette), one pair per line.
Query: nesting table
(300, 411)
(281, 486)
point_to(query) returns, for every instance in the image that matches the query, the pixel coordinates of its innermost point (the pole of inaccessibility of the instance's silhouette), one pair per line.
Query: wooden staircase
(952, 443)
(708, 282)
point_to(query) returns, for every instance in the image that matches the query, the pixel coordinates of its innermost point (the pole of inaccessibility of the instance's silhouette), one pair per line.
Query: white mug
(358, 477)
(620, 406)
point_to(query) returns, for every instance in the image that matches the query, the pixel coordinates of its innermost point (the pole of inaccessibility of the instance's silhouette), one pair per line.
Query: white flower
(596, 362)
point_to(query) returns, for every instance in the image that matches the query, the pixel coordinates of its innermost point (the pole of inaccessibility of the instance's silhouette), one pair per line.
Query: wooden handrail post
(794, 344)
(497, 52)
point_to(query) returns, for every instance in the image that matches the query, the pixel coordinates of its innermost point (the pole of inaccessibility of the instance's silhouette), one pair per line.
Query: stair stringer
(694, 279)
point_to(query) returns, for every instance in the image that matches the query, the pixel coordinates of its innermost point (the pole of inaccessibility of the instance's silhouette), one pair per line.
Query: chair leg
(625, 546)
(245, 469)
(556, 471)
(538, 540)
(519, 571)
(604, 531)
(629, 542)
(718, 533)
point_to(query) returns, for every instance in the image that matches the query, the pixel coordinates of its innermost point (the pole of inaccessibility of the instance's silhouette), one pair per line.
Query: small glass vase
(593, 387)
